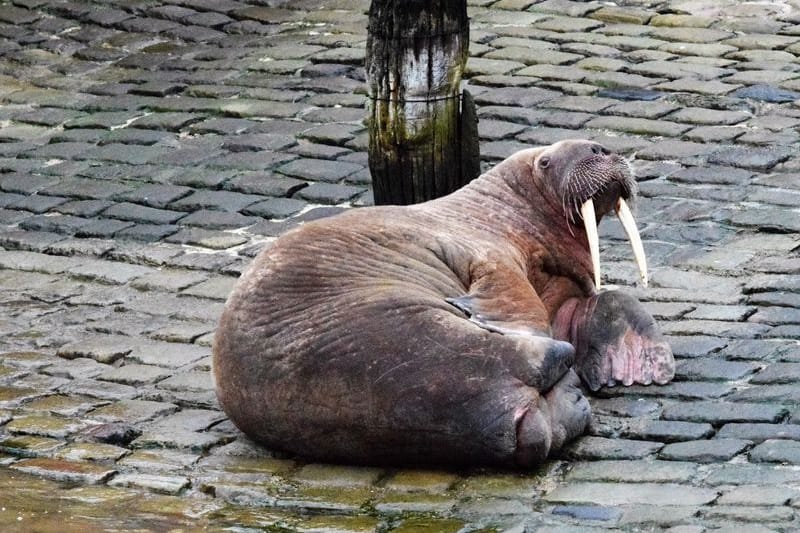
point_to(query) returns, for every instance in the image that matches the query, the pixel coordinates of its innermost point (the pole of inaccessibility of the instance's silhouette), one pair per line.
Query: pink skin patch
(624, 363)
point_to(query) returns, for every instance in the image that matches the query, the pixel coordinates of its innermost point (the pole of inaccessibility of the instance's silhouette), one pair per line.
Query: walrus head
(590, 181)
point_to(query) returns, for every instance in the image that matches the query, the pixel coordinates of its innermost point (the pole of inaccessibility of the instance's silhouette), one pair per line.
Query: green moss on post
(423, 131)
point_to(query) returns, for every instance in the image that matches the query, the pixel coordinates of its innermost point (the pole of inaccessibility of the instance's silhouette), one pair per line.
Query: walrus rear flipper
(561, 415)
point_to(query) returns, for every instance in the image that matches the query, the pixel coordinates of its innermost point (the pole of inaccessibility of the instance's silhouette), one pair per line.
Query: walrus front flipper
(470, 306)
(621, 343)
(502, 300)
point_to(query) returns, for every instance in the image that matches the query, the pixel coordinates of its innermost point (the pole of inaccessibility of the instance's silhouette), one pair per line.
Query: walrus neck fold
(498, 197)
(524, 212)
(569, 323)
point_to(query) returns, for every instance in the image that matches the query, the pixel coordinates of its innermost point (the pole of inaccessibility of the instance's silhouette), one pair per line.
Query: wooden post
(423, 132)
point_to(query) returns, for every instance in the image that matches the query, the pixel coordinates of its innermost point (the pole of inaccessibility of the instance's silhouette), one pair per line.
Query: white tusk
(590, 224)
(625, 216)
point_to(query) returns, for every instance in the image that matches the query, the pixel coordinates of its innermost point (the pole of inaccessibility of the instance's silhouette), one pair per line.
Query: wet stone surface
(148, 150)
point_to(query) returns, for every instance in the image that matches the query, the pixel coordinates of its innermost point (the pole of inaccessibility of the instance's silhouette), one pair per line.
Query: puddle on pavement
(29, 504)
(32, 505)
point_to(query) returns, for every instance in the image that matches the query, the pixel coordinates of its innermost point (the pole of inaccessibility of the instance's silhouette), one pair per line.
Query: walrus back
(294, 344)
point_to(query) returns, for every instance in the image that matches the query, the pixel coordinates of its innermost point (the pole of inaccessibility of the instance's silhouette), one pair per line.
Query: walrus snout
(591, 182)
(579, 170)
(600, 177)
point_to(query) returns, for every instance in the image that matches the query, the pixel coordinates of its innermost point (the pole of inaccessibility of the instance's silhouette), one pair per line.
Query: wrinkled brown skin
(424, 334)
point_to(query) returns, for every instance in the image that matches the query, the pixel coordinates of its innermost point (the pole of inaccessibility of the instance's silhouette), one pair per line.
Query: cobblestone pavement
(151, 147)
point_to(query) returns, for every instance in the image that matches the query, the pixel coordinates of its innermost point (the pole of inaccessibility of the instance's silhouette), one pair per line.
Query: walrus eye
(544, 162)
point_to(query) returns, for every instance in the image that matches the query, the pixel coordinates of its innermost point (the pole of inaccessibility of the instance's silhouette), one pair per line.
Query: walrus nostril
(596, 149)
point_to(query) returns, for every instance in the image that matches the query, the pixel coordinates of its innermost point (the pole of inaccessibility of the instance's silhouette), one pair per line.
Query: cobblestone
(167, 354)
(760, 432)
(212, 219)
(776, 451)
(704, 451)
(43, 426)
(71, 472)
(723, 412)
(605, 448)
(134, 374)
(160, 484)
(103, 348)
(134, 411)
(746, 474)
(757, 495)
(633, 471)
(168, 280)
(216, 240)
(621, 493)
(108, 272)
(668, 431)
(714, 369)
(755, 514)
(141, 214)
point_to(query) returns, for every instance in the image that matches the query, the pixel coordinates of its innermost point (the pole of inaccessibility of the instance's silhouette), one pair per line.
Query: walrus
(447, 332)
